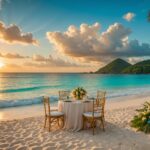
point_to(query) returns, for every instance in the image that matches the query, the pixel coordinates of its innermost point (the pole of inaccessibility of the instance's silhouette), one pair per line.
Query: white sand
(28, 133)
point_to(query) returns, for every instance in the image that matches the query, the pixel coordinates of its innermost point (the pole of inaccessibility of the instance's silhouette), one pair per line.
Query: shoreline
(16, 113)
(111, 95)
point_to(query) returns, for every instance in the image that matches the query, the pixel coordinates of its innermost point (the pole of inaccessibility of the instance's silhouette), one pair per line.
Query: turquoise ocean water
(18, 89)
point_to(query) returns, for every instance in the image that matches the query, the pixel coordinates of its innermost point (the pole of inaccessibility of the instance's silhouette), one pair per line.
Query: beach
(74, 75)
(28, 133)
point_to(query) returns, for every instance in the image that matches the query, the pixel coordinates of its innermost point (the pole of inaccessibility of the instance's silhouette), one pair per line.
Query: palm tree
(148, 16)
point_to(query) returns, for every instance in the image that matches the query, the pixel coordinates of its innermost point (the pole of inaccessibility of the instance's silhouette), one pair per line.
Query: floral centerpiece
(142, 120)
(79, 93)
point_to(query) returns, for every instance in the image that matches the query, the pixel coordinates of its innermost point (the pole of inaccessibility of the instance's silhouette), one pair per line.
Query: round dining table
(73, 111)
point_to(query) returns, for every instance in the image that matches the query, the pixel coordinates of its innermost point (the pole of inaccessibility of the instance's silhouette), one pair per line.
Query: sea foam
(24, 102)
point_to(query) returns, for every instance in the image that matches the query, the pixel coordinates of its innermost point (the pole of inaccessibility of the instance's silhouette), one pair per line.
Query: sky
(71, 35)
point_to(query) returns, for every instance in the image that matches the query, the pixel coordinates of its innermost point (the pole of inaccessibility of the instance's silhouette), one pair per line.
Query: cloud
(41, 61)
(89, 44)
(129, 16)
(13, 56)
(13, 34)
(40, 58)
(134, 60)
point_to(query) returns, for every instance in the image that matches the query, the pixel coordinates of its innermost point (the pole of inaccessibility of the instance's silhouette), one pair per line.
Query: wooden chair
(51, 116)
(98, 112)
(101, 96)
(64, 95)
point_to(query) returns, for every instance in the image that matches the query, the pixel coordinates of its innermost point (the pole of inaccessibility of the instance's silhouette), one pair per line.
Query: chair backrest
(101, 94)
(99, 103)
(64, 95)
(46, 102)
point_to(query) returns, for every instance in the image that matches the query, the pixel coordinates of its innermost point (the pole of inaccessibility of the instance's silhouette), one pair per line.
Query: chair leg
(63, 122)
(45, 121)
(49, 121)
(58, 122)
(83, 122)
(93, 126)
(102, 121)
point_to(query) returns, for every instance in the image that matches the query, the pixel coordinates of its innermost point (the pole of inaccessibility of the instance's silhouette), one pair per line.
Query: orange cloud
(13, 34)
(129, 16)
(42, 61)
(13, 56)
(39, 63)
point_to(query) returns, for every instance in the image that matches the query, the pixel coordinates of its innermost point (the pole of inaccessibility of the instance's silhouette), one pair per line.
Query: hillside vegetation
(115, 67)
(119, 66)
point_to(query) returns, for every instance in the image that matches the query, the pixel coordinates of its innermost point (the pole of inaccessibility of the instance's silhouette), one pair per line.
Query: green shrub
(142, 121)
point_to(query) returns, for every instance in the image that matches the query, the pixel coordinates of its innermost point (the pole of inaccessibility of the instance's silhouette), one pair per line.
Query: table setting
(74, 107)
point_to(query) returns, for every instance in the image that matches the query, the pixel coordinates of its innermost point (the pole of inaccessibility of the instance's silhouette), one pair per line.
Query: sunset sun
(1, 64)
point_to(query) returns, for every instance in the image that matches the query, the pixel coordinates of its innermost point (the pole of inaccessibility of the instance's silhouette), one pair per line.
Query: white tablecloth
(73, 113)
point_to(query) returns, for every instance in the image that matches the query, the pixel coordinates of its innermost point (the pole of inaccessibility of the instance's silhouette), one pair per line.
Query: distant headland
(120, 66)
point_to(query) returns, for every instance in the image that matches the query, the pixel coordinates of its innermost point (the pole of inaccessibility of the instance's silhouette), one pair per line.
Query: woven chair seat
(56, 113)
(90, 114)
